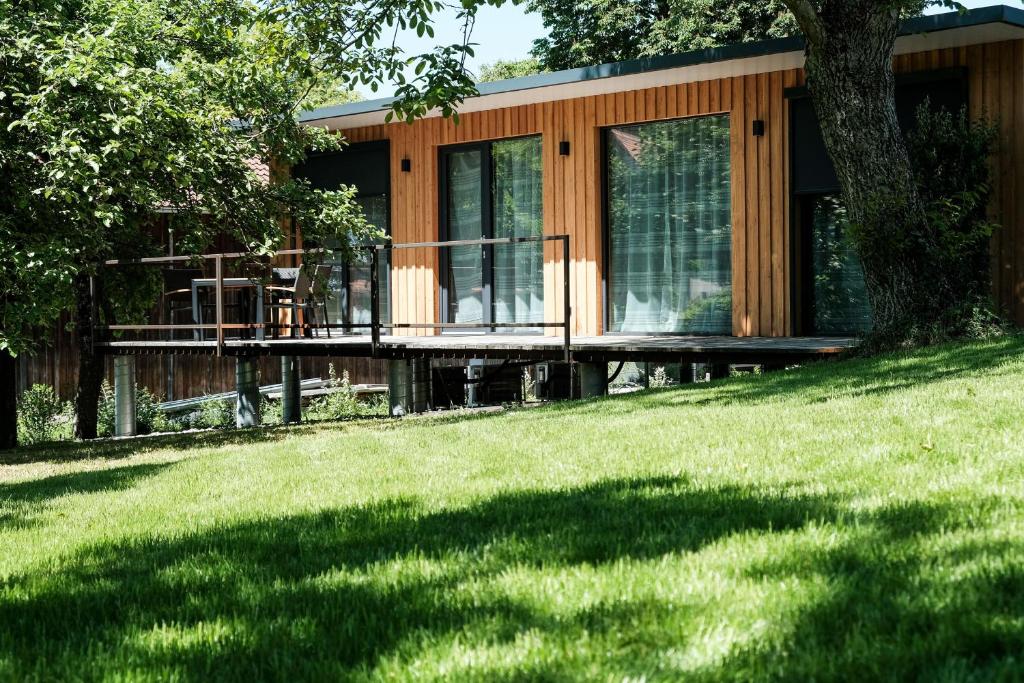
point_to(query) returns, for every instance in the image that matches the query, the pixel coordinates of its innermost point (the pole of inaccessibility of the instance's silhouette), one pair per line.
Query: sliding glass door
(493, 190)
(669, 227)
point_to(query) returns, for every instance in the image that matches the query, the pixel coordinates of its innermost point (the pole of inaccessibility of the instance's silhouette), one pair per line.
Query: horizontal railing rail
(376, 325)
(565, 323)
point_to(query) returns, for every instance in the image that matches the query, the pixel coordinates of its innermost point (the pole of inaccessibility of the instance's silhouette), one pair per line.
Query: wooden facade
(762, 260)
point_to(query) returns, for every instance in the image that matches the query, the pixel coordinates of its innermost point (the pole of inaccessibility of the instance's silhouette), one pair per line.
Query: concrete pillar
(124, 396)
(247, 391)
(291, 391)
(593, 379)
(408, 386)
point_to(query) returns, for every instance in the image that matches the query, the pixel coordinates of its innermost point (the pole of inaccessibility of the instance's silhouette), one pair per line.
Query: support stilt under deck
(247, 388)
(291, 394)
(124, 396)
(408, 386)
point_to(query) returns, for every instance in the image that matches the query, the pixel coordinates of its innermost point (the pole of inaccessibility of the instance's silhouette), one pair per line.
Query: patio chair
(307, 294)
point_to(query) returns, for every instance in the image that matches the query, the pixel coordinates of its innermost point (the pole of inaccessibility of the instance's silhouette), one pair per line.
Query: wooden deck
(517, 347)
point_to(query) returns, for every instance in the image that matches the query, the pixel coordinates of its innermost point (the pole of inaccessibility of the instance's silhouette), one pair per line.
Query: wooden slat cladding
(573, 192)
(761, 255)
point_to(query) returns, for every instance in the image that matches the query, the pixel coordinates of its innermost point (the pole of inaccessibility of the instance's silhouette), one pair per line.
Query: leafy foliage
(951, 158)
(327, 91)
(42, 416)
(343, 401)
(599, 31)
(503, 69)
(148, 417)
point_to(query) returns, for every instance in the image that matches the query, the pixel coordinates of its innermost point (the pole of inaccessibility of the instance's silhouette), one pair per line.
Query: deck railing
(376, 325)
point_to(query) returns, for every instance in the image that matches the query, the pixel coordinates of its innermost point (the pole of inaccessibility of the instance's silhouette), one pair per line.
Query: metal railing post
(566, 303)
(219, 272)
(94, 312)
(374, 301)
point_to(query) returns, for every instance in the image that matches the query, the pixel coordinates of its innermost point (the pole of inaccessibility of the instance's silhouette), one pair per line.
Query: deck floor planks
(726, 348)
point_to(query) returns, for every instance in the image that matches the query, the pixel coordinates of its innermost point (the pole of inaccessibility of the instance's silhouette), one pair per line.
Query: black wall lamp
(563, 148)
(758, 128)
(406, 165)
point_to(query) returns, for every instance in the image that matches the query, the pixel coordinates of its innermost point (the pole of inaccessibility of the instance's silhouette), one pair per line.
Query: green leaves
(112, 109)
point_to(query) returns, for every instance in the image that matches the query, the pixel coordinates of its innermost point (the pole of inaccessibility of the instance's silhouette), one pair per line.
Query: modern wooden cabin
(701, 211)
(694, 188)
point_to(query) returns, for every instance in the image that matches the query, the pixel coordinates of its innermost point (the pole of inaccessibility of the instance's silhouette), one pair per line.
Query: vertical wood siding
(762, 272)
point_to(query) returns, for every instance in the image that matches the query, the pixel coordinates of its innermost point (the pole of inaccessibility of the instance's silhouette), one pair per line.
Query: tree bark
(849, 66)
(90, 363)
(8, 400)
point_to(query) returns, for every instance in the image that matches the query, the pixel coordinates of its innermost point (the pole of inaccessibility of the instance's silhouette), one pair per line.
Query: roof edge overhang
(950, 29)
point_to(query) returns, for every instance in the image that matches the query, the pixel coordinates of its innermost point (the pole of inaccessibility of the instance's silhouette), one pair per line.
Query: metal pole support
(124, 396)
(408, 386)
(247, 389)
(291, 393)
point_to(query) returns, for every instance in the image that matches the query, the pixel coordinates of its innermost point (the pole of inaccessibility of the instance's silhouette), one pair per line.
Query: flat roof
(980, 25)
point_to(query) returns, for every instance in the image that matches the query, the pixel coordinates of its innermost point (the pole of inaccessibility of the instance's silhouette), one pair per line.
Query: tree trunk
(8, 400)
(850, 77)
(90, 363)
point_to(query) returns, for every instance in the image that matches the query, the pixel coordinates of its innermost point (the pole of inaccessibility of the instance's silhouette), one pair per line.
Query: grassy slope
(858, 520)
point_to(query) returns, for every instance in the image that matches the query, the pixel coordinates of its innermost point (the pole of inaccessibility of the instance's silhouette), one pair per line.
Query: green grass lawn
(846, 521)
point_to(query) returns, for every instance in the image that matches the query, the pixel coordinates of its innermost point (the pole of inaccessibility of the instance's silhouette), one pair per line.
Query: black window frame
(486, 147)
(606, 251)
(383, 146)
(801, 297)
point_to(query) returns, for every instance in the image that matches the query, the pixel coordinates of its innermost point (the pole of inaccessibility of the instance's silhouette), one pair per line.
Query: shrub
(343, 402)
(148, 417)
(271, 412)
(42, 416)
(948, 262)
(219, 414)
(659, 379)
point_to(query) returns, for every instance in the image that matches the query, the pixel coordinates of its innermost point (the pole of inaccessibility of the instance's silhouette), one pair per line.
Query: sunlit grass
(860, 520)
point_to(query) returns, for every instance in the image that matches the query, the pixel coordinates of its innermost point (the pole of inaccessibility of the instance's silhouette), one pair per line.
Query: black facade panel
(365, 165)
(813, 172)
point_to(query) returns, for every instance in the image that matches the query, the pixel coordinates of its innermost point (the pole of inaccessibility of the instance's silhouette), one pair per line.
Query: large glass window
(840, 301)
(494, 190)
(669, 227)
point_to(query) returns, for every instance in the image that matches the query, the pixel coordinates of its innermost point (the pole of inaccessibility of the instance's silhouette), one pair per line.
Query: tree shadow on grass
(22, 503)
(332, 594)
(321, 595)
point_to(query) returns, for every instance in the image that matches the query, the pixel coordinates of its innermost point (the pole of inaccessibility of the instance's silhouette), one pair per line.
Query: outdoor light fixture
(563, 148)
(758, 128)
(406, 166)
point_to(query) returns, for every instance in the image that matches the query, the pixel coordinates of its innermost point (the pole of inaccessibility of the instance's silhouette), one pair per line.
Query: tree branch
(808, 20)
